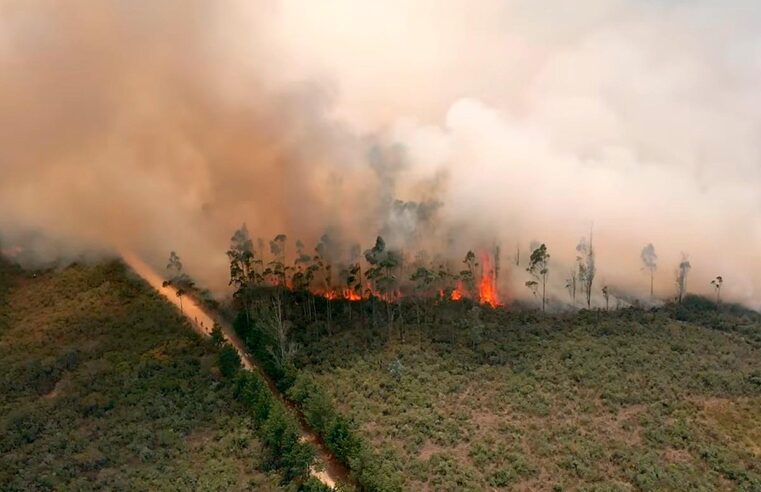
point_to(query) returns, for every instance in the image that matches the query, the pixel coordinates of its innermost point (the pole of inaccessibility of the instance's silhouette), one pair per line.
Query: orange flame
(457, 293)
(350, 295)
(335, 294)
(487, 288)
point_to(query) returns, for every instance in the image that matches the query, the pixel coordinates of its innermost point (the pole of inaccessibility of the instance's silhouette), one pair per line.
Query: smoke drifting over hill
(164, 124)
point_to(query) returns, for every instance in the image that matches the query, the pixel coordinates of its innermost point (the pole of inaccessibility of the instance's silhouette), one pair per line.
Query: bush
(342, 438)
(278, 429)
(314, 485)
(229, 361)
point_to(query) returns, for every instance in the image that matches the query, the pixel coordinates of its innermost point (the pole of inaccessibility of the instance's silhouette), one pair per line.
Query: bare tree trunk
(390, 319)
(330, 316)
(374, 313)
(544, 292)
(401, 321)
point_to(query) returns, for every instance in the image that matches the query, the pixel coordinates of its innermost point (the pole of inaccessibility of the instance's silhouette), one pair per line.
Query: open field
(105, 386)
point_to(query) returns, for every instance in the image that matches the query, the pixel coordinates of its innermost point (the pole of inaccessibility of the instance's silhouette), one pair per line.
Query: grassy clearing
(630, 400)
(105, 387)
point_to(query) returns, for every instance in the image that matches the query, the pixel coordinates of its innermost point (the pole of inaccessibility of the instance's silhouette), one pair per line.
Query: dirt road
(331, 471)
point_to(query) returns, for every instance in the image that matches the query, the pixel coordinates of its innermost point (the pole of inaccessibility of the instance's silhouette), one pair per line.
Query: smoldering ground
(165, 124)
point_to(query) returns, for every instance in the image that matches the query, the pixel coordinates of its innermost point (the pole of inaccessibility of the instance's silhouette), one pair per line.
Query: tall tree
(177, 277)
(717, 282)
(383, 263)
(681, 277)
(180, 293)
(586, 267)
(538, 267)
(277, 248)
(302, 278)
(649, 262)
(497, 265)
(570, 285)
(243, 274)
(468, 275)
(278, 328)
(241, 256)
(517, 254)
(423, 279)
(174, 265)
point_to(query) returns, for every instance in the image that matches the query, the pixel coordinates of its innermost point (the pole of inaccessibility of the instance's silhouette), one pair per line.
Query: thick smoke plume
(163, 125)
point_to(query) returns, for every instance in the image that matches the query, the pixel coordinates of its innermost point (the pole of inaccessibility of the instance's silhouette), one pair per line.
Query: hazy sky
(164, 124)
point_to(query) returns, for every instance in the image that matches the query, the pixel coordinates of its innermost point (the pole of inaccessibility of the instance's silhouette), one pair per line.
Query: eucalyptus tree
(180, 294)
(243, 274)
(570, 285)
(681, 277)
(717, 283)
(241, 256)
(517, 254)
(468, 275)
(328, 253)
(278, 329)
(585, 261)
(175, 264)
(277, 265)
(497, 253)
(302, 278)
(538, 267)
(423, 279)
(649, 262)
(383, 263)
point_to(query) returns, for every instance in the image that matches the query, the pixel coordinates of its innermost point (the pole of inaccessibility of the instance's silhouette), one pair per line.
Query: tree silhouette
(570, 285)
(717, 286)
(468, 276)
(538, 267)
(586, 267)
(277, 265)
(180, 293)
(174, 265)
(381, 274)
(681, 277)
(243, 273)
(649, 262)
(423, 279)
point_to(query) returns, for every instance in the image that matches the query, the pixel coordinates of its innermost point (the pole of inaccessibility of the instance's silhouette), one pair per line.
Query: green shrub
(278, 429)
(229, 361)
(313, 485)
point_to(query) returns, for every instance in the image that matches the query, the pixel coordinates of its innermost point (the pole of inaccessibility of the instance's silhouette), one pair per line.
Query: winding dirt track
(331, 470)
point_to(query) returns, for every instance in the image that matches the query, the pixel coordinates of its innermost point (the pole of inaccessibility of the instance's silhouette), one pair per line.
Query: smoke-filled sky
(165, 124)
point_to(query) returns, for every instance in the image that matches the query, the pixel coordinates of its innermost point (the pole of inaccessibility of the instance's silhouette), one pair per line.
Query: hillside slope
(104, 386)
(627, 400)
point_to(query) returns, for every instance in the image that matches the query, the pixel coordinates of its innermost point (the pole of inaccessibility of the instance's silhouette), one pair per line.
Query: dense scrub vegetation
(338, 433)
(104, 386)
(442, 391)
(624, 400)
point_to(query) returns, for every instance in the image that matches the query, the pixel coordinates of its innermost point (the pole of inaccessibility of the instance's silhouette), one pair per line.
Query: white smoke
(165, 124)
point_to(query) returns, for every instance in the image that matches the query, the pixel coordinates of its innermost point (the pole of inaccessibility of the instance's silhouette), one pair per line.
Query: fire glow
(457, 293)
(487, 287)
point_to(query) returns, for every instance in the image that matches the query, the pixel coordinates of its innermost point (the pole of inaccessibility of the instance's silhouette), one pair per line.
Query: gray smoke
(163, 125)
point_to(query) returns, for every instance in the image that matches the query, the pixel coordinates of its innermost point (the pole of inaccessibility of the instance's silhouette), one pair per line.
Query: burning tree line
(380, 272)
(385, 276)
